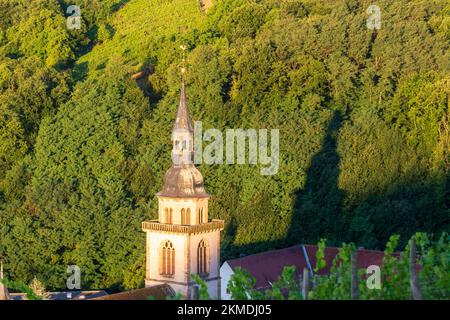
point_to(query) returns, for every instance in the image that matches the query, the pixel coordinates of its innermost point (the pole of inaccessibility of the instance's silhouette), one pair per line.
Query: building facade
(183, 241)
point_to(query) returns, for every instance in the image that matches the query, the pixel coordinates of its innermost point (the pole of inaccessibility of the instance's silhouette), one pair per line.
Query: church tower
(183, 241)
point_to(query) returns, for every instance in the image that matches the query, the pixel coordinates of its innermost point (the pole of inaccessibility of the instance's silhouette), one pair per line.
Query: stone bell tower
(183, 241)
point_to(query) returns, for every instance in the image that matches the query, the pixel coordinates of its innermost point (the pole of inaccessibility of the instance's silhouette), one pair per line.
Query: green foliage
(287, 284)
(203, 288)
(433, 259)
(243, 21)
(241, 286)
(320, 256)
(105, 32)
(40, 30)
(21, 287)
(12, 142)
(336, 285)
(31, 90)
(177, 296)
(364, 135)
(38, 288)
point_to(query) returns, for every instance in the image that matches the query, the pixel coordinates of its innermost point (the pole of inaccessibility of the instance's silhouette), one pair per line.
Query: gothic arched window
(203, 258)
(167, 259)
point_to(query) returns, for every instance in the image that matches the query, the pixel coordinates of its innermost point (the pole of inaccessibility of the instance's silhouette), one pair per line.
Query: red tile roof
(267, 266)
(365, 257)
(158, 292)
(66, 295)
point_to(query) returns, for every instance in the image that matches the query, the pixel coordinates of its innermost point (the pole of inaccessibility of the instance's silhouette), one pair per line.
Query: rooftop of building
(66, 295)
(267, 266)
(158, 292)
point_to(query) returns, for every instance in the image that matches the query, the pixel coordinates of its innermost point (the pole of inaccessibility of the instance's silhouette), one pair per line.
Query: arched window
(183, 216)
(166, 215)
(188, 216)
(203, 258)
(201, 217)
(184, 146)
(167, 259)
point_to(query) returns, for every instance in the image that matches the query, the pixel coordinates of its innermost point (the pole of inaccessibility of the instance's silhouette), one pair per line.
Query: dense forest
(363, 117)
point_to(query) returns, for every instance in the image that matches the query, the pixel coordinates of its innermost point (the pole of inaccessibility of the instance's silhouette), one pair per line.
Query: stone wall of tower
(213, 239)
(186, 260)
(180, 244)
(213, 278)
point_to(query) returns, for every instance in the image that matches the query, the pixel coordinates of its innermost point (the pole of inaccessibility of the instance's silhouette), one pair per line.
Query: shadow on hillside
(317, 211)
(310, 212)
(80, 71)
(413, 205)
(117, 6)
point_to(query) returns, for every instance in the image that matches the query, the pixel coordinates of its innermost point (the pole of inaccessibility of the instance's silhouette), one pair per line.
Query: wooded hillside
(363, 117)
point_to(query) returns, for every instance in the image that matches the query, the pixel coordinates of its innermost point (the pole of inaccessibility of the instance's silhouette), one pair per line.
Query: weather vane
(183, 68)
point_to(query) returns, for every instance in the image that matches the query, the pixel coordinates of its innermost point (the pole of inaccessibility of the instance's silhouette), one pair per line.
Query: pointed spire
(183, 121)
(4, 293)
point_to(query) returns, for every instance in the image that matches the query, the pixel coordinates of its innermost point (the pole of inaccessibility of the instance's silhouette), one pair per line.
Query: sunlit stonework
(183, 241)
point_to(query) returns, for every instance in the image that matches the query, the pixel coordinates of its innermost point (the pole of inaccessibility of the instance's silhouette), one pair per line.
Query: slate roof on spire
(183, 181)
(183, 121)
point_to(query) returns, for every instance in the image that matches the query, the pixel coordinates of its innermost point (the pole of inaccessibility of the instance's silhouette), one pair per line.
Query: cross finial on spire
(183, 65)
